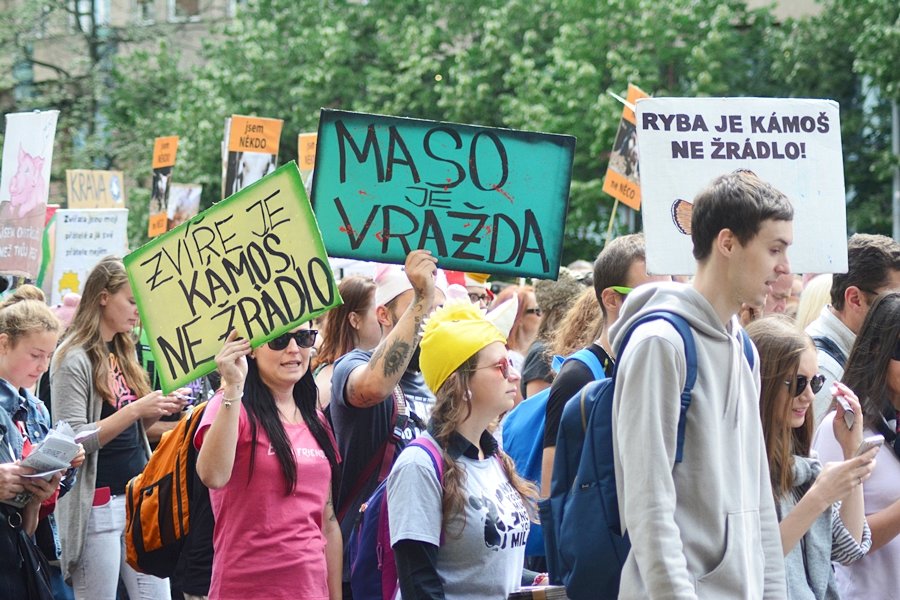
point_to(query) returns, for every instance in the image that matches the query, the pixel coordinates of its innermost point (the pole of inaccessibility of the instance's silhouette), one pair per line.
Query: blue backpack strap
(590, 359)
(747, 345)
(585, 356)
(690, 356)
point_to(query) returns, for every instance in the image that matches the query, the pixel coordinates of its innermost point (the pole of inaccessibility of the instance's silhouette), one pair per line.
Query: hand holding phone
(873, 441)
(840, 398)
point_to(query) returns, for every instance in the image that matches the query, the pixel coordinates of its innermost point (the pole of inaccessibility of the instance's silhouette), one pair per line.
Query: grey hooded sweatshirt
(706, 527)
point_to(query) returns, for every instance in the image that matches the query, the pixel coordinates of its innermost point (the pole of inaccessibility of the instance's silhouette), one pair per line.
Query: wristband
(227, 402)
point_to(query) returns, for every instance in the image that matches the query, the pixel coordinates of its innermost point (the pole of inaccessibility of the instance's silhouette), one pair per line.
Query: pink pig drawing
(27, 188)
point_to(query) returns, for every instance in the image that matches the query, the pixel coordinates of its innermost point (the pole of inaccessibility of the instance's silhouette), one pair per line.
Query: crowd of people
(782, 491)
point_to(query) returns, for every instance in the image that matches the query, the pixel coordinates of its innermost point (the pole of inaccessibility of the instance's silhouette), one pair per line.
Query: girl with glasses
(873, 371)
(463, 537)
(820, 508)
(268, 457)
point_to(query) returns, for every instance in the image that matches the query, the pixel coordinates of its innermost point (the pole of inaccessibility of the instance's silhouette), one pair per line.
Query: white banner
(793, 144)
(83, 237)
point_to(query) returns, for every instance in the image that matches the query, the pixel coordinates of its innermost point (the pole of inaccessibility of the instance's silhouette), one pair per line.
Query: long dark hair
(867, 366)
(261, 410)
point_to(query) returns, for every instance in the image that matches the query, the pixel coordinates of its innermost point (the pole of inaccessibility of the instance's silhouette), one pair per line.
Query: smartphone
(873, 441)
(849, 417)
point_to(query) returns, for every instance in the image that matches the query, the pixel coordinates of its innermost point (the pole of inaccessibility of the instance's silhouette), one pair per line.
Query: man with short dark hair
(873, 267)
(619, 268)
(704, 527)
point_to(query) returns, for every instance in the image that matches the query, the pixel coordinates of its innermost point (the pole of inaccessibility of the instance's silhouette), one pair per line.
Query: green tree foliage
(543, 65)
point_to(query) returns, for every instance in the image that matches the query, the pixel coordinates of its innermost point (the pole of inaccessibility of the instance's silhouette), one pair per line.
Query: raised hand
(232, 359)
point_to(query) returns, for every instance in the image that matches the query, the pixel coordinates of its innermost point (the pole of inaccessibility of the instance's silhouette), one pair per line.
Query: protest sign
(793, 144)
(48, 249)
(164, 152)
(24, 187)
(95, 189)
(481, 199)
(184, 203)
(251, 144)
(254, 262)
(306, 154)
(82, 238)
(623, 179)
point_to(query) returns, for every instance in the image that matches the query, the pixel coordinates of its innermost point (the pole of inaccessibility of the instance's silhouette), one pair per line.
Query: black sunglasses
(305, 338)
(534, 311)
(476, 298)
(896, 355)
(815, 382)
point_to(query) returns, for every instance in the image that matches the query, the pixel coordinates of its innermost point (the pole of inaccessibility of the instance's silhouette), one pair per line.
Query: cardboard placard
(250, 151)
(793, 144)
(164, 152)
(481, 199)
(623, 175)
(254, 262)
(24, 188)
(82, 237)
(95, 189)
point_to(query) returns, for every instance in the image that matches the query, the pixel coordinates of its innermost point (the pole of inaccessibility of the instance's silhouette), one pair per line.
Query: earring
(468, 395)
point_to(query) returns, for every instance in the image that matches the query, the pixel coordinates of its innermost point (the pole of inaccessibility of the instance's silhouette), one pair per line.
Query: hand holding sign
(231, 361)
(421, 268)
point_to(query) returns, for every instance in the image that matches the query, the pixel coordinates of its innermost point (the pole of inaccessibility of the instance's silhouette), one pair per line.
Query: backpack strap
(585, 356)
(437, 459)
(828, 346)
(747, 346)
(380, 464)
(690, 355)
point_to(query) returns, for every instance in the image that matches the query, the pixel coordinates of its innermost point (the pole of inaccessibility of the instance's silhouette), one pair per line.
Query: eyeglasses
(621, 289)
(534, 311)
(305, 338)
(896, 355)
(503, 365)
(478, 297)
(815, 382)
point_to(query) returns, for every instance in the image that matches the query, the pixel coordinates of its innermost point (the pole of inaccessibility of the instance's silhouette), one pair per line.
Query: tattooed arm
(370, 385)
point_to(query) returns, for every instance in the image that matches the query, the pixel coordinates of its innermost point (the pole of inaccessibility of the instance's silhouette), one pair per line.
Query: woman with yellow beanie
(463, 537)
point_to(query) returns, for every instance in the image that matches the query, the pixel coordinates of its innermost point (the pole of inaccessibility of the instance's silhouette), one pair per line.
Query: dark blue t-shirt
(361, 432)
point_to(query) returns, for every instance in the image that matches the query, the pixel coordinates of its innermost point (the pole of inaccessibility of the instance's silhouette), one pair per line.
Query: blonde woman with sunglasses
(820, 508)
(268, 457)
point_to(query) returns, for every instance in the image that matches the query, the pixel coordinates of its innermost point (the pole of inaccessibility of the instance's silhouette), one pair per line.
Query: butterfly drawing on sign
(681, 215)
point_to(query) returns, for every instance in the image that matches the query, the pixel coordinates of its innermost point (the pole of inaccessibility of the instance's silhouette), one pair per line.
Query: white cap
(391, 281)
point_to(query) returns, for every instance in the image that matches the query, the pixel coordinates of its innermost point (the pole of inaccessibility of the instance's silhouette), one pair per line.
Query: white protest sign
(793, 144)
(83, 237)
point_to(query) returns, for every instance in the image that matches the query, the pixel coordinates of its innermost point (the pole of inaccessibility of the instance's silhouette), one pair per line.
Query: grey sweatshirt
(706, 527)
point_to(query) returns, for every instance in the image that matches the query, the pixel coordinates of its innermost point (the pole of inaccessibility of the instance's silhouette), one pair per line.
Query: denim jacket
(22, 405)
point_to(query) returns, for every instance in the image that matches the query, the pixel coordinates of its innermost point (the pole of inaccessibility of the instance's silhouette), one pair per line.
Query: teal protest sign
(481, 199)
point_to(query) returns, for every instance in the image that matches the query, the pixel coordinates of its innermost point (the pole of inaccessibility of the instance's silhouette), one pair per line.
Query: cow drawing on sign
(27, 188)
(252, 166)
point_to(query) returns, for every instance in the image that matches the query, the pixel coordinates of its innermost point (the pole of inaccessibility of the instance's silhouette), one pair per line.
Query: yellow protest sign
(623, 179)
(95, 189)
(254, 262)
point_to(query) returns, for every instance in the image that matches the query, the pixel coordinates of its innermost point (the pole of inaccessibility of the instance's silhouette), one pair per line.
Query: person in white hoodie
(705, 527)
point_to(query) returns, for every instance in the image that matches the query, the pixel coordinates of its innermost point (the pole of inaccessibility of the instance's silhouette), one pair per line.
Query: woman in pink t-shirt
(267, 456)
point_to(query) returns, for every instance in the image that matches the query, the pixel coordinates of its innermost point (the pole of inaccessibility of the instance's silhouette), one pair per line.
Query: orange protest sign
(623, 180)
(306, 151)
(254, 134)
(164, 149)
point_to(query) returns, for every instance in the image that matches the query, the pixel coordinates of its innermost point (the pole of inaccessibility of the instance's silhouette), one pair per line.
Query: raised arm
(216, 457)
(369, 386)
